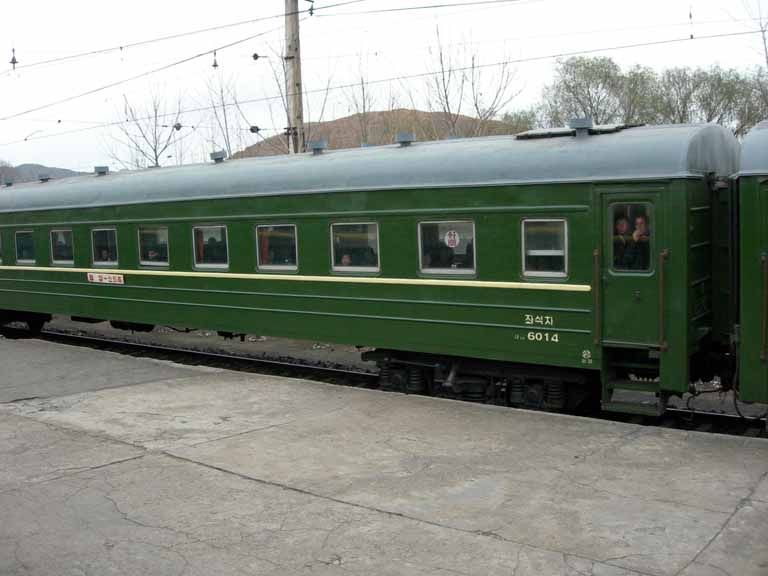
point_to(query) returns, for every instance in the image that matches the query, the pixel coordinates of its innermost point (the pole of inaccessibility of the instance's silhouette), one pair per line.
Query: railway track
(675, 418)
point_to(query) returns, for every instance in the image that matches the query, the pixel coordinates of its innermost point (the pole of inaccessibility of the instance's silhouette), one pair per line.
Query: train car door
(753, 350)
(631, 225)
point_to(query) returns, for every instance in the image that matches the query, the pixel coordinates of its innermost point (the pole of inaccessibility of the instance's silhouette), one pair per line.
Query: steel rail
(361, 378)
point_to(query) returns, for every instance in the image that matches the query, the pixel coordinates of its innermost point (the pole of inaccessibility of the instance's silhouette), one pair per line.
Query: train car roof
(754, 151)
(613, 153)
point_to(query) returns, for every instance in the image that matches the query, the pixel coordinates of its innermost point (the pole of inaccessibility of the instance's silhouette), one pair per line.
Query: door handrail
(597, 336)
(764, 315)
(663, 256)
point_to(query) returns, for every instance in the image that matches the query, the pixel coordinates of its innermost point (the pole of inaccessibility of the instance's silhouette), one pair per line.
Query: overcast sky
(337, 43)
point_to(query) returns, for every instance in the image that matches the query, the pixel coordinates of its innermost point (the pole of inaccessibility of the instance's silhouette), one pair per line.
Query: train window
(447, 247)
(276, 247)
(153, 246)
(25, 247)
(355, 247)
(545, 245)
(631, 223)
(210, 246)
(104, 246)
(62, 247)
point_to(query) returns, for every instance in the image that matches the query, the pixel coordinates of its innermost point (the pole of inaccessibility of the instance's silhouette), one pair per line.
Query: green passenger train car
(542, 267)
(753, 257)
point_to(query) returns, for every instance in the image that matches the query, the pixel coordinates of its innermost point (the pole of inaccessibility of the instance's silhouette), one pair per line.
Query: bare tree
(7, 172)
(520, 121)
(361, 101)
(583, 88)
(310, 126)
(716, 98)
(752, 103)
(391, 120)
(446, 88)
(638, 92)
(279, 76)
(230, 124)
(490, 98)
(147, 134)
(678, 88)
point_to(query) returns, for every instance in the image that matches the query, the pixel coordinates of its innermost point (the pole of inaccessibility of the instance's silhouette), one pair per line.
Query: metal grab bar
(663, 255)
(764, 318)
(596, 296)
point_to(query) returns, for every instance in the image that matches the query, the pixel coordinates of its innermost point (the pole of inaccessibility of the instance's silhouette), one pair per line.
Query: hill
(377, 128)
(30, 172)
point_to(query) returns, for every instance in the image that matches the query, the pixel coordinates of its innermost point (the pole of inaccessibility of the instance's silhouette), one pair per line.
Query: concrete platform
(126, 466)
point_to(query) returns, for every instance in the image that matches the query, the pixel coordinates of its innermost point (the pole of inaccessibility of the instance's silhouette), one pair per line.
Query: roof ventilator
(405, 139)
(318, 146)
(101, 170)
(582, 126)
(44, 177)
(219, 156)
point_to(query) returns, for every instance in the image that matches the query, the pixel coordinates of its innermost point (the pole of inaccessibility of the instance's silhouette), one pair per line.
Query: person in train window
(346, 260)
(638, 254)
(621, 239)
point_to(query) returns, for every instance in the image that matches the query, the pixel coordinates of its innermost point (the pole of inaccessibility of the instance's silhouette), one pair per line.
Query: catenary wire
(176, 36)
(219, 48)
(423, 7)
(136, 76)
(506, 39)
(419, 75)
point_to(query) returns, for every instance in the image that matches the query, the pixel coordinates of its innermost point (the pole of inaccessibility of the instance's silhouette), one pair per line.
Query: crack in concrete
(641, 498)
(237, 434)
(19, 400)
(377, 510)
(747, 500)
(52, 399)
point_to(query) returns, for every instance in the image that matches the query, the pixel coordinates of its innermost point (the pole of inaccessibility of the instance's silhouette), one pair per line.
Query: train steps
(633, 385)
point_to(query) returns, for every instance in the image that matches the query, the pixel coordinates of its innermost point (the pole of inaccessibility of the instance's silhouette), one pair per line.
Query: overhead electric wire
(425, 7)
(219, 48)
(422, 75)
(178, 35)
(156, 70)
(506, 39)
(135, 77)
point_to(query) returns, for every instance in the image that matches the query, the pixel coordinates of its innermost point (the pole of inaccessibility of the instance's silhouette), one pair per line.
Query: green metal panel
(675, 358)
(533, 326)
(632, 306)
(556, 328)
(631, 299)
(753, 369)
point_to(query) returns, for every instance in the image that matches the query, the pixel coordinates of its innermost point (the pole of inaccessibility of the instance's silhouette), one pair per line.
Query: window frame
(545, 273)
(213, 266)
(1, 246)
(147, 263)
(649, 215)
(108, 263)
(452, 271)
(16, 247)
(278, 267)
(53, 259)
(355, 269)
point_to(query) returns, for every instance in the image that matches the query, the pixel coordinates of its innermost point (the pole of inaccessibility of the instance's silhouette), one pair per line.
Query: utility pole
(293, 86)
